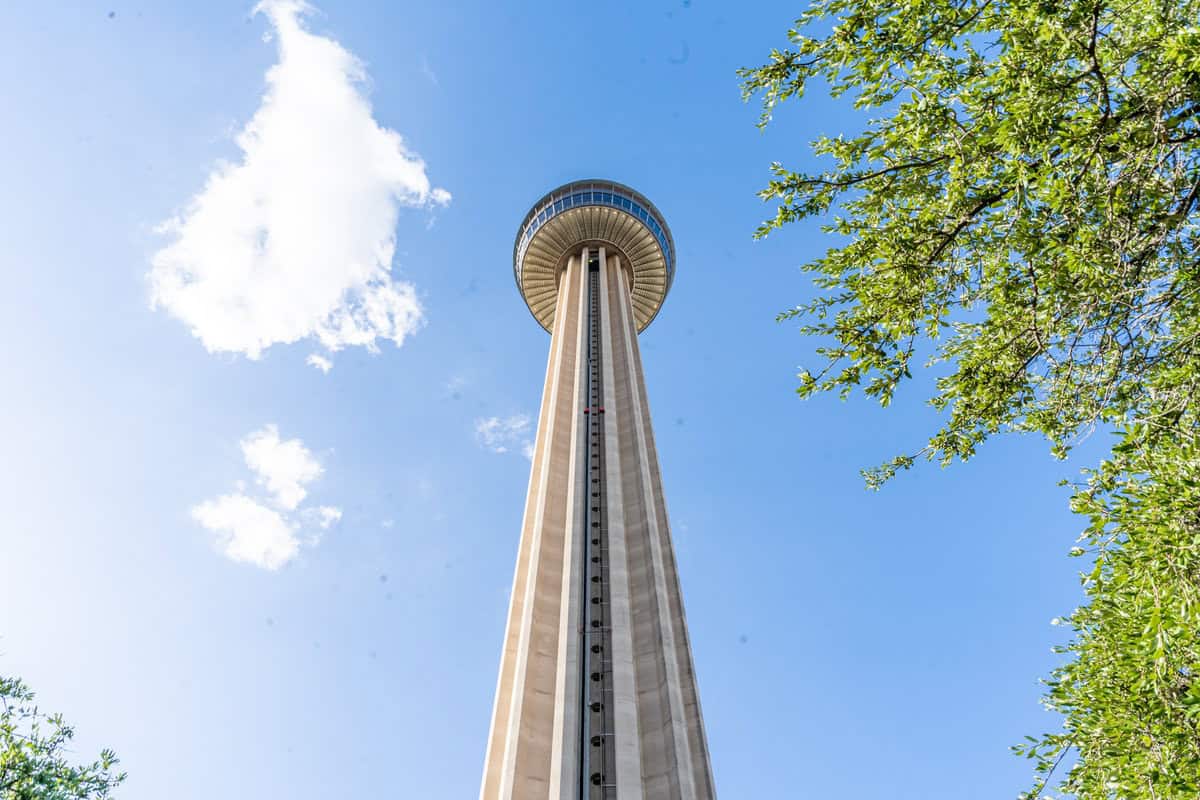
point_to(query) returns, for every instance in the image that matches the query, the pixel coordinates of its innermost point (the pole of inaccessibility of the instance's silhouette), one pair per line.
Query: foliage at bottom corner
(1130, 695)
(33, 754)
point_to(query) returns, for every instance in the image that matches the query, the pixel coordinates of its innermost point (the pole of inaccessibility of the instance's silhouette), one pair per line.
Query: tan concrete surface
(661, 751)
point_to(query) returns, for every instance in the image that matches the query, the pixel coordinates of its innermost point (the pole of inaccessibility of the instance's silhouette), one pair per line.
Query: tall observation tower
(597, 695)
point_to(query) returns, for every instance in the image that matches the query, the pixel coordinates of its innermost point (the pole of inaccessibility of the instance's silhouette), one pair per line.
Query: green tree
(1022, 206)
(32, 761)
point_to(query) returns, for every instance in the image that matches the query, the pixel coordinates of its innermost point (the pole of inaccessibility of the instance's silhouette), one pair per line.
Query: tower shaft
(596, 698)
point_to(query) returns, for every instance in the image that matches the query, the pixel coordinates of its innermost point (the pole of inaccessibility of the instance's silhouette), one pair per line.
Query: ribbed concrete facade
(597, 695)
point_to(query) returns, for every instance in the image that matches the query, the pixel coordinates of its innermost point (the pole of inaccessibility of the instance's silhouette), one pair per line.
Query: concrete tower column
(597, 696)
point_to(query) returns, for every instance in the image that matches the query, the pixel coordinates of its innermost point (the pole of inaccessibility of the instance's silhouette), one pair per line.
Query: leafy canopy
(1024, 206)
(32, 764)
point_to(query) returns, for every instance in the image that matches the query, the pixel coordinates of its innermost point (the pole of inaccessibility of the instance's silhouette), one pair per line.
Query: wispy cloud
(320, 362)
(427, 71)
(502, 435)
(266, 531)
(455, 386)
(296, 239)
(318, 520)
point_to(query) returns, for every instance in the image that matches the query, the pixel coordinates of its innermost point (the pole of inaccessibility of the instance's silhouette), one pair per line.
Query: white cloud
(266, 530)
(248, 531)
(327, 516)
(320, 362)
(501, 435)
(283, 467)
(296, 239)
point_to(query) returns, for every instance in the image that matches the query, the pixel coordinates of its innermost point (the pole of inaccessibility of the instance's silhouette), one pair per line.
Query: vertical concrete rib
(628, 743)
(565, 757)
(697, 741)
(518, 763)
(669, 769)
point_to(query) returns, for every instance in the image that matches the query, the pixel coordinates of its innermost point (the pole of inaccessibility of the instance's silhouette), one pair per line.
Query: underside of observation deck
(592, 214)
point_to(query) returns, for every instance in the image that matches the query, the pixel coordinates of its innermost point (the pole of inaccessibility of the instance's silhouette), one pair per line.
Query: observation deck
(601, 213)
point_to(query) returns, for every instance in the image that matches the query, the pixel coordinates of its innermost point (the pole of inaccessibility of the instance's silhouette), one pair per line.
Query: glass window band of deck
(579, 198)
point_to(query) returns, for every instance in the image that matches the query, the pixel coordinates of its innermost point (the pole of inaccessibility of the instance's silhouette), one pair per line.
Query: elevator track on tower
(596, 752)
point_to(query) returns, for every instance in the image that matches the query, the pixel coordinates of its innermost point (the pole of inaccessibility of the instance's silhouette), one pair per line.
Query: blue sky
(848, 644)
